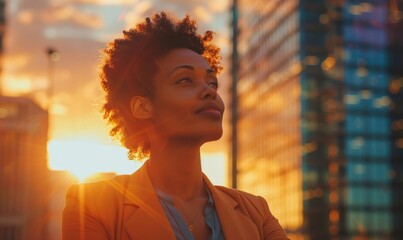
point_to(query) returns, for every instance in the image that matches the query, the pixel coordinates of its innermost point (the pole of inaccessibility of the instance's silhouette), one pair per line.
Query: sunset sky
(78, 30)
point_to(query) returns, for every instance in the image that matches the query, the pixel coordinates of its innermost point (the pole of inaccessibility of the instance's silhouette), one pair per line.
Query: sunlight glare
(214, 165)
(83, 158)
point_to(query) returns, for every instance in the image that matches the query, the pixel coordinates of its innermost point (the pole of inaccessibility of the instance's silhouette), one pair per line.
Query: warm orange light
(333, 182)
(86, 157)
(310, 147)
(399, 143)
(333, 197)
(83, 157)
(394, 86)
(333, 151)
(334, 216)
(214, 165)
(328, 63)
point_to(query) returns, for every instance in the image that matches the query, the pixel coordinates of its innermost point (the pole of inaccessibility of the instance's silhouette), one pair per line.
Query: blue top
(178, 223)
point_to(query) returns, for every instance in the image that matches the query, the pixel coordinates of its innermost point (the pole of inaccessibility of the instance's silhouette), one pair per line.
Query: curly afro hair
(128, 66)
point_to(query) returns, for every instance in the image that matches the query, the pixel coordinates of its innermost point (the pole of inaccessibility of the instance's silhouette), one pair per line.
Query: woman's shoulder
(235, 192)
(95, 205)
(97, 189)
(256, 208)
(245, 199)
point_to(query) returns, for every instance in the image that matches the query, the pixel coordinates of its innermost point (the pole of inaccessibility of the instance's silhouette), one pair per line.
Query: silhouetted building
(24, 186)
(320, 114)
(2, 31)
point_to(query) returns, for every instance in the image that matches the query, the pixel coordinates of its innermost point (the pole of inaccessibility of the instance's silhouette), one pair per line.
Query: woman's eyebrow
(209, 70)
(182, 66)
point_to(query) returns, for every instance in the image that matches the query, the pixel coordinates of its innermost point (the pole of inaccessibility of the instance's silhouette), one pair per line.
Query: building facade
(319, 114)
(2, 31)
(24, 183)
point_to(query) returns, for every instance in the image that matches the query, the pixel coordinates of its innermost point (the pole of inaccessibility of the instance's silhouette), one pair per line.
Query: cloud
(25, 17)
(16, 85)
(223, 42)
(15, 61)
(181, 6)
(94, 2)
(23, 83)
(112, 2)
(218, 6)
(13, 6)
(59, 109)
(61, 14)
(203, 14)
(71, 14)
(137, 12)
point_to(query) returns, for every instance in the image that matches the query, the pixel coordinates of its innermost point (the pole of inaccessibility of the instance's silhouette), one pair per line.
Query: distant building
(24, 182)
(2, 31)
(319, 114)
(2, 23)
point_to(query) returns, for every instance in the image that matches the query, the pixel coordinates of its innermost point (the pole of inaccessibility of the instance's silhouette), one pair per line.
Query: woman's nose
(208, 91)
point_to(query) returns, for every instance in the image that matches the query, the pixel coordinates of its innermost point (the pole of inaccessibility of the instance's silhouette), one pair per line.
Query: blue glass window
(371, 36)
(378, 80)
(379, 172)
(378, 13)
(357, 196)
(373, 79)
(356, 146)
(379, 125)
(357, 220)
(379, 148)
(356, 171)
(383, 221)
(380, 197)
(355, 124)
(371, 57)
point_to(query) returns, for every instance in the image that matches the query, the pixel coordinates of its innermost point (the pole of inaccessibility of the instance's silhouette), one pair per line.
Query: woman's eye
(213, 85)
(184, 80)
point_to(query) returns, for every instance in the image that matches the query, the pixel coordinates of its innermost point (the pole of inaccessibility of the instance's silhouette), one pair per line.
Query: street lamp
(53, 56)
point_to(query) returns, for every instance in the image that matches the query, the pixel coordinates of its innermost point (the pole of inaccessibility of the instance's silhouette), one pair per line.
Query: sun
(86, 157)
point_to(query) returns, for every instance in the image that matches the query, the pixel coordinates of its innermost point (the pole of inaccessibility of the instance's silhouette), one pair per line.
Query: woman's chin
(212, 136)
(197, 137)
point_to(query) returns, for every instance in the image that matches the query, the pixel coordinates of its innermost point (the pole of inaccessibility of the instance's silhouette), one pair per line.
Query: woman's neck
(176, 170)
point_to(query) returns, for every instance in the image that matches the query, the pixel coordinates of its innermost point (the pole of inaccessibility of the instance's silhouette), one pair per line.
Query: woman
(160, 81)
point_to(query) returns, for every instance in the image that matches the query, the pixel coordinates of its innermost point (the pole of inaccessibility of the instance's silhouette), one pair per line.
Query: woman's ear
(141, 107)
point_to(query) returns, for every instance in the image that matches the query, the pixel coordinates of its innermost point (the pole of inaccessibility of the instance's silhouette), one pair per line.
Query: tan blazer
(127, 208)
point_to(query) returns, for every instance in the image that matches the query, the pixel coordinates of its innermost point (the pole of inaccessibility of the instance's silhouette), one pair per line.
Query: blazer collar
(234, 224)
(143, 213)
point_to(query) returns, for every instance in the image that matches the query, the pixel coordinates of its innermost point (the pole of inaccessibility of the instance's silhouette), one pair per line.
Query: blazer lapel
(144, 217)
(234, 224)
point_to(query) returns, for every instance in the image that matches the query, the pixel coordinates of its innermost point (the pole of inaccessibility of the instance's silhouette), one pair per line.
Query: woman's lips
(210, 112)
(211, 109)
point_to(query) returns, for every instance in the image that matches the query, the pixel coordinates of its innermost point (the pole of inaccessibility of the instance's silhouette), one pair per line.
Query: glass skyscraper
(319, 114)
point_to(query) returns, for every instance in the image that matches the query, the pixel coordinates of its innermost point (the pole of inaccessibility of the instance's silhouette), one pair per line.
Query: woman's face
(186, 105)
